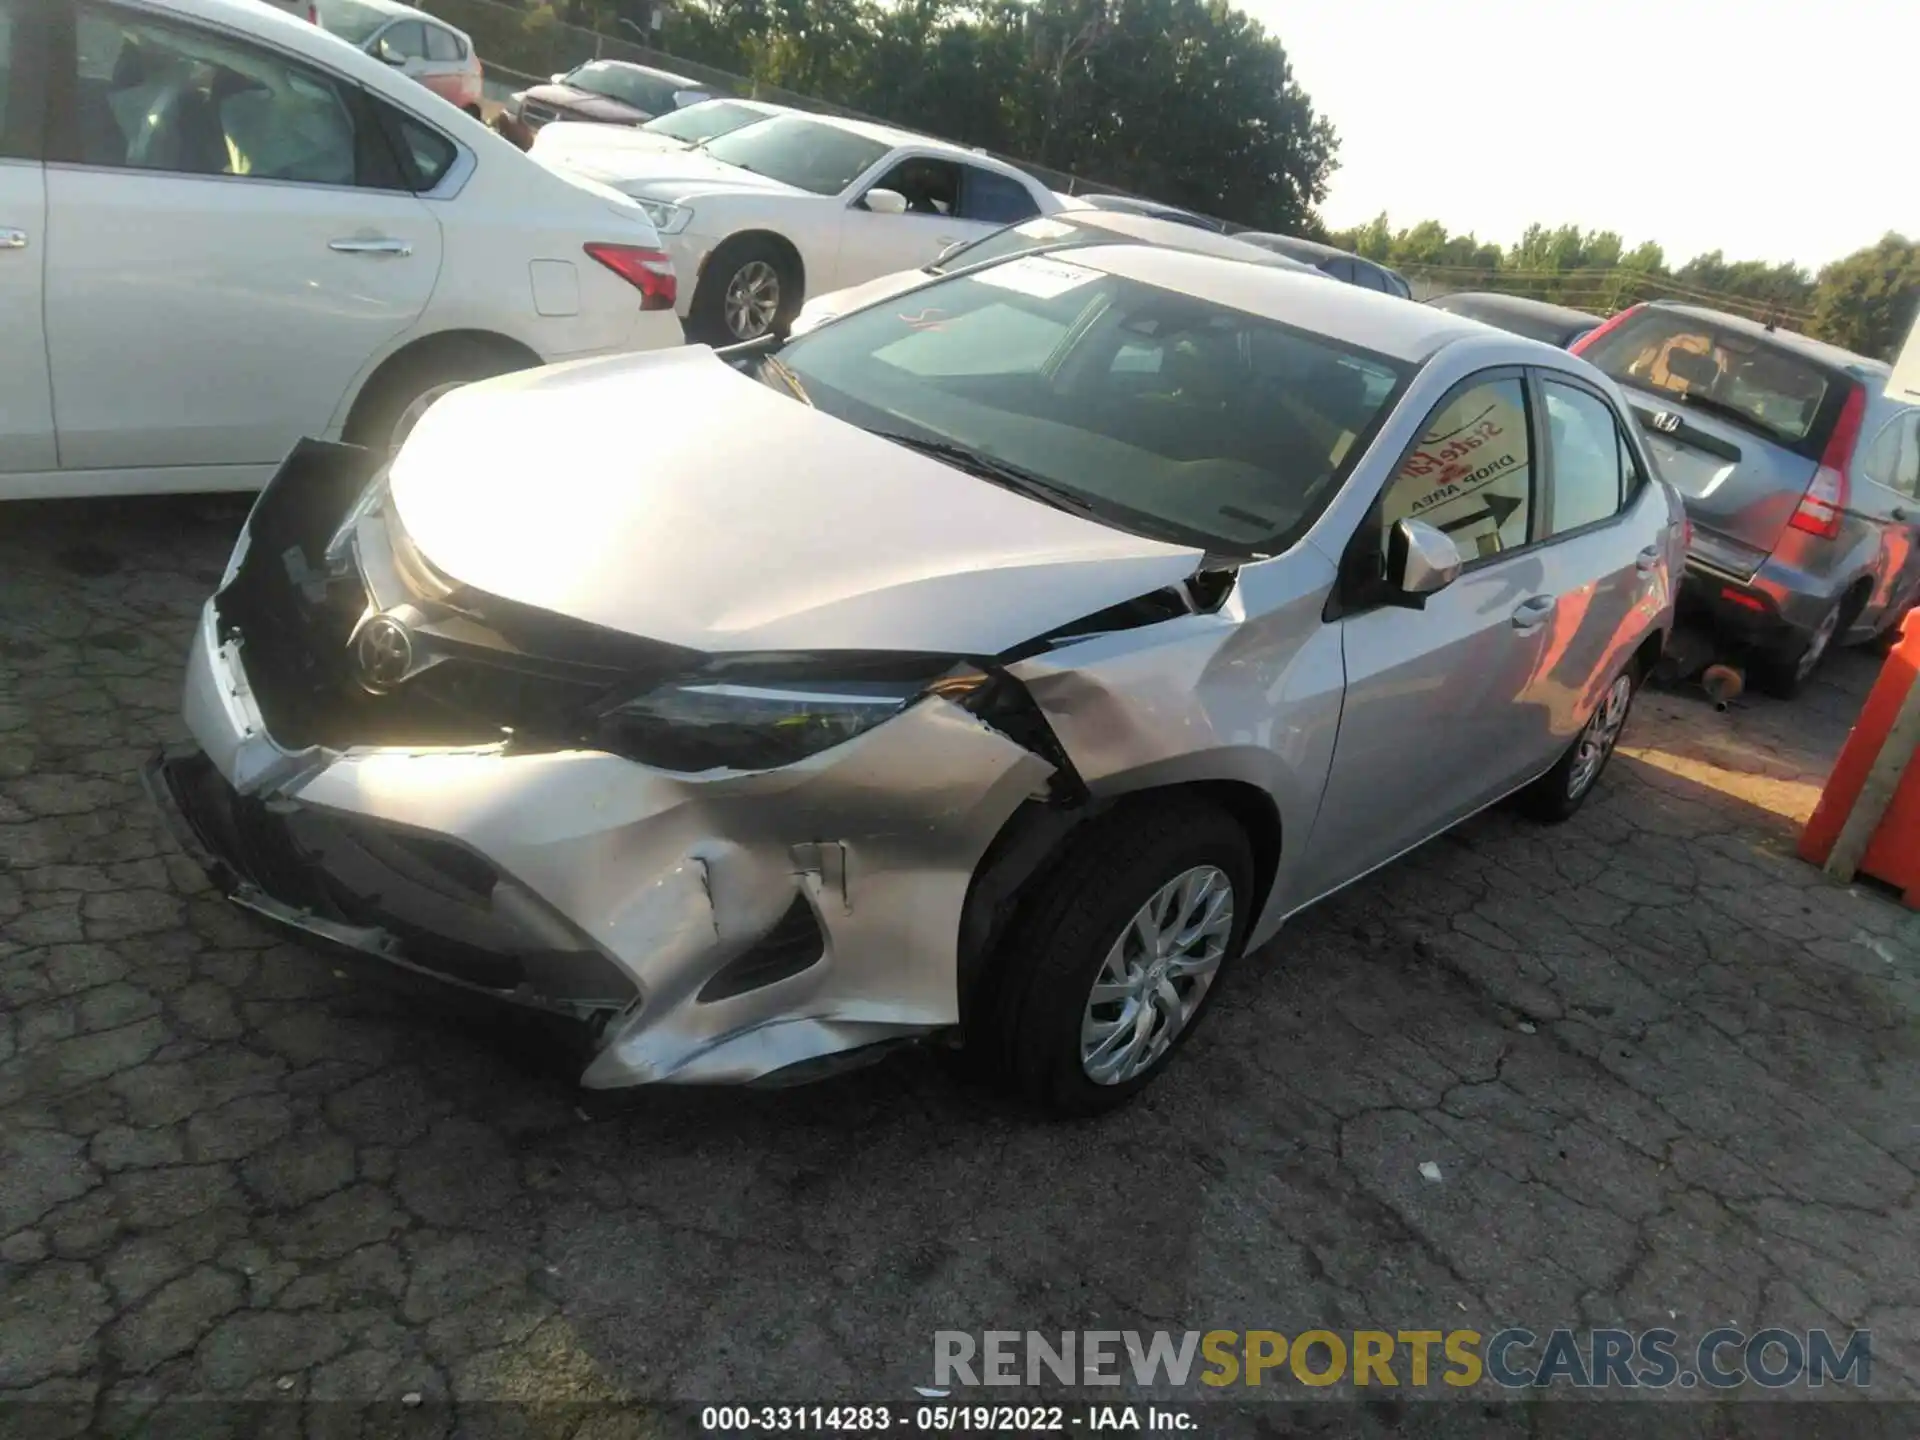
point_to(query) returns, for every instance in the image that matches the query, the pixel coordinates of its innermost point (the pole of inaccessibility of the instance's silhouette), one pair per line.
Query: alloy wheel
(1597, 740)
(752, 300)
(1149, 987)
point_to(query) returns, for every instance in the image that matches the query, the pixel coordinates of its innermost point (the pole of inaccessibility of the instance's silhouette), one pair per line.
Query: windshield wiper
(787, 378)
(1695, 400)
(988, 467)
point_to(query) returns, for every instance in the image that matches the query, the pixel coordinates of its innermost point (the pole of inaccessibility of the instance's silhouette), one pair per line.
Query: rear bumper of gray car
(1775, 605)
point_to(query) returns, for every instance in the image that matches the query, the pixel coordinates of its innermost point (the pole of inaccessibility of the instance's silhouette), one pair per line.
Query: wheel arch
(789, 254)
(422, 352)
(1038, 836)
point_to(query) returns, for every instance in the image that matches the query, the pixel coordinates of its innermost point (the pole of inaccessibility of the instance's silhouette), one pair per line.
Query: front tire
(1107, 970)
(1558, 795)
(747, 290)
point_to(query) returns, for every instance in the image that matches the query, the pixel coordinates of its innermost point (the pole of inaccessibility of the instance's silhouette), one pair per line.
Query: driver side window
(1471, 473)
(932, 187)
(155, 96)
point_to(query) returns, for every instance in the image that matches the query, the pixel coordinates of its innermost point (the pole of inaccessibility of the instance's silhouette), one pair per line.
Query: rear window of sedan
(1154, 410)
(1756, 384)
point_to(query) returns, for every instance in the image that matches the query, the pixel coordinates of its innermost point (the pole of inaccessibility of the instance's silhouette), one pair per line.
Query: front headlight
(692, 726)
(667, 219)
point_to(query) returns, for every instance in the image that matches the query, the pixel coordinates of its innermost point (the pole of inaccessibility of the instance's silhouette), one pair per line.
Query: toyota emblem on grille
(384, 650)
(1666, 422)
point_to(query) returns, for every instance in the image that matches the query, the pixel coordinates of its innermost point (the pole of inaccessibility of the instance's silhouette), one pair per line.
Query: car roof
(1152, 230)
(893, 138)
(1489, 302)
(1791, 340)
(652, 70)
(1368, 319)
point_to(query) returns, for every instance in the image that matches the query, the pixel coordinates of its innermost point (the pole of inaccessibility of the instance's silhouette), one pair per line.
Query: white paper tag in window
(1044, 229)
(1036, 275)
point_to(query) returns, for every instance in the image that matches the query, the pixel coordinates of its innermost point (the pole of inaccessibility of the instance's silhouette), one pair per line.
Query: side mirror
(559, 79)
(392, 57)
(1421, 561)
(885, 202)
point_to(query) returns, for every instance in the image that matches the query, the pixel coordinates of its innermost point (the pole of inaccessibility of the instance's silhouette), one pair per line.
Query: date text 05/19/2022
(942, 1418)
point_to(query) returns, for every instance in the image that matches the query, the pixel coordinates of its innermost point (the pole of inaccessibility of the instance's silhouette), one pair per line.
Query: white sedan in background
(264, 234)
(758, 218)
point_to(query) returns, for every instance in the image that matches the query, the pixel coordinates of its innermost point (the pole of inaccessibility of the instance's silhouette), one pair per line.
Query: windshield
(704, 121)
(799, 152)
(1757, 384)
(1160, 413)
(651, 93)
(350, 20)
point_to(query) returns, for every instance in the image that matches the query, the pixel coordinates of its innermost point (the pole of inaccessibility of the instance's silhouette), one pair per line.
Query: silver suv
(1799, 476)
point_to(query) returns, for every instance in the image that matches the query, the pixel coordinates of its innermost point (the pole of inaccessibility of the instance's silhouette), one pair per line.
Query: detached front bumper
(729, 927)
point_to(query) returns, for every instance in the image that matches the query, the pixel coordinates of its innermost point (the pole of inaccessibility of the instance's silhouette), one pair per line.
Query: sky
(1767, 130)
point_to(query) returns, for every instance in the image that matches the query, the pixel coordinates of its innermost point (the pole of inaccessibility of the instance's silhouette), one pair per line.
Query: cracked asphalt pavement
(1668, 1075)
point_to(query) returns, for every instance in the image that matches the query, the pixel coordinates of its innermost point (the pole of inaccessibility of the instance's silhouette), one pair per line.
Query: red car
(614, 92)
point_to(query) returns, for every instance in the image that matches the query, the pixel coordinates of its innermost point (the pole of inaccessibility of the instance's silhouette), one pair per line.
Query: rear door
(1604, 555)
(1735, 423)
(446, 69)
(26, 397)
(233, 240)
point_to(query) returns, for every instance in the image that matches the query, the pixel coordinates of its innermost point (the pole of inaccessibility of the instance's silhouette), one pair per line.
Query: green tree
(1188, 101)
(1867, 301)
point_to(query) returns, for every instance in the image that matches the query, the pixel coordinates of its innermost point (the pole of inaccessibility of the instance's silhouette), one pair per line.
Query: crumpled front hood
(669, 496)
(674, 176)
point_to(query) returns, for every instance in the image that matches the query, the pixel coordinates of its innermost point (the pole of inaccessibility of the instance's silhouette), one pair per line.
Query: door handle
(1648, 558)
(1531, 613)
(11, 239)
(378, 246)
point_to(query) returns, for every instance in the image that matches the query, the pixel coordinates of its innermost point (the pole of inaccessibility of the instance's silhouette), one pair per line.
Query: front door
(1438, 718)
(872, 244)
(231, 244)
(26, 400)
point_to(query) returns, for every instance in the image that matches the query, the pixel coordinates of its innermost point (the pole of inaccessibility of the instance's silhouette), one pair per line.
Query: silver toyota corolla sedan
(996, 669)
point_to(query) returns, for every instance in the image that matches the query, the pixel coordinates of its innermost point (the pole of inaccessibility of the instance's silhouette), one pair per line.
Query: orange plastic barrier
(1893, 854)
